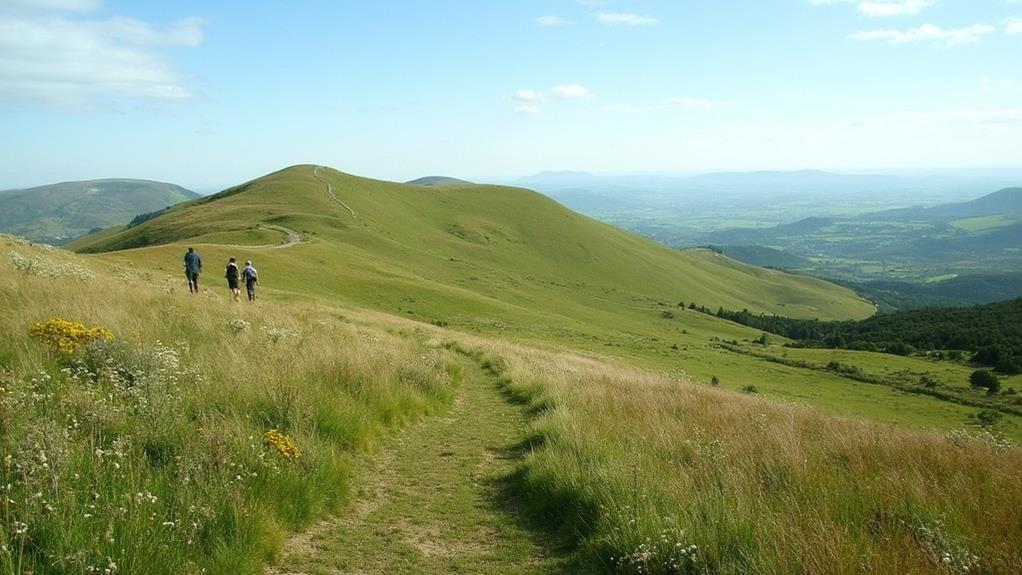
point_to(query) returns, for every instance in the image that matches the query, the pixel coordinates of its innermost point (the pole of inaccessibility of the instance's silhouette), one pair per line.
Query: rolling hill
(501, 251)
(919, 245)
(58, 213)
(568, 406)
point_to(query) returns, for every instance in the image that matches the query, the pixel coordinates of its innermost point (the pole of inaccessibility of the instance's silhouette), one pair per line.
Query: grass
(508, 263)
(439, 499)
(665, 477)
(647, 470)
(146, 452)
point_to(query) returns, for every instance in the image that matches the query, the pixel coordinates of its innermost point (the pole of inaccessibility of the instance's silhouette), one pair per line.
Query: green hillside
(61, 212)
(590, 422)
(174, 433)
(510, 263)
(501, 251)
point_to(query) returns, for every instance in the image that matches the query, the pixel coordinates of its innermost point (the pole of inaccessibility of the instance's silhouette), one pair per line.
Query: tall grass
(659, 475)
(146, 454)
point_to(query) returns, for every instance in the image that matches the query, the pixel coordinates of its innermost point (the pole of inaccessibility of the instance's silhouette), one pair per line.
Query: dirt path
(292, 239)
(330, 190)
(436, 501)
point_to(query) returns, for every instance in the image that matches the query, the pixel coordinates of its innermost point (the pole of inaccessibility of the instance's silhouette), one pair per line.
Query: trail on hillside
(293, 238)
(330, 190)
(438, 500)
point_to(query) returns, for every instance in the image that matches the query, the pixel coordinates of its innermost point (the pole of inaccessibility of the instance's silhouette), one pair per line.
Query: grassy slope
(152, 451)
(630, 463)
(508, 262)
(508, 239)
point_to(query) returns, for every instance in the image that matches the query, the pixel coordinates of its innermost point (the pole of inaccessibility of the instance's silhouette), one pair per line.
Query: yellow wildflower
(67, 336)
(284, 445)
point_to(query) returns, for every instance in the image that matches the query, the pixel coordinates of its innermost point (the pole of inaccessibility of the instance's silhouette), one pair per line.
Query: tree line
(991, 333)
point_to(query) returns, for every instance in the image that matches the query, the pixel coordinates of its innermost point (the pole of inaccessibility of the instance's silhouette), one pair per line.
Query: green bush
(985, 379)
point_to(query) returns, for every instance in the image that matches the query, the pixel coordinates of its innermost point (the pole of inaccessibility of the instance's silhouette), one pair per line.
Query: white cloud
(626, 19)
(551, 21)
(531, 102)
(692, 103)
(571, 92)
(927, 32)
(64, 5)
(527, 95)
(1013, 25)
(51, 59)
(901, 8)
(528, 102)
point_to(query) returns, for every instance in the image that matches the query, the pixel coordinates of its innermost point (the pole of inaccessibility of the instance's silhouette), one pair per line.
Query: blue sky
(208, 94)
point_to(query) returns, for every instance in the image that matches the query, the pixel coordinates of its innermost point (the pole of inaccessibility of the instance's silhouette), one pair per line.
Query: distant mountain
(952, 253)
(1006, 201)
(438, 181)
(59, 213)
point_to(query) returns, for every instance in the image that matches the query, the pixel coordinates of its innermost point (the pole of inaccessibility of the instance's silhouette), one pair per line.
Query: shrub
(750, 389)
(714, 381)
(985, 379)
(667, 314)
(67, 336)
(988, 417)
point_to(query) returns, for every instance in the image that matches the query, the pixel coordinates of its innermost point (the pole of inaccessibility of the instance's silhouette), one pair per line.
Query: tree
(984, 378)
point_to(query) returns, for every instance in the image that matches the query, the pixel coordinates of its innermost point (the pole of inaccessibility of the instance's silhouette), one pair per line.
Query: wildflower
(67, 336)
(283, 444)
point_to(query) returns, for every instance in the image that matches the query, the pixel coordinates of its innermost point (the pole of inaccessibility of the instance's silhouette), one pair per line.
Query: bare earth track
(436, 501)
(330, 190)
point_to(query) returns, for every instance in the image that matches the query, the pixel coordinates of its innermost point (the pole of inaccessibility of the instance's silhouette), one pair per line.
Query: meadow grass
(148, 453)
(658, 475)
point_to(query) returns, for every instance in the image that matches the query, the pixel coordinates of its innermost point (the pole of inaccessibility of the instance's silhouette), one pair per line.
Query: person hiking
(233, 277)
(193, 265)
(251, 279)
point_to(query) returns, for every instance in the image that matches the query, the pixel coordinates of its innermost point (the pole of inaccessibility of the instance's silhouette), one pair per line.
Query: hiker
(233, 277)
(193, 265)
(251, 279)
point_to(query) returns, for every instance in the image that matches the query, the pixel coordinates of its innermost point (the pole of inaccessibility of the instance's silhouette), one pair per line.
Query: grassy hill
(511, 263)
(505, 250)
(205, 434)
(581, 428)
(58, 213)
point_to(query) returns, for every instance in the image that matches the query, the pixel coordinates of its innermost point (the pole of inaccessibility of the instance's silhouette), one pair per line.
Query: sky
(209, 94)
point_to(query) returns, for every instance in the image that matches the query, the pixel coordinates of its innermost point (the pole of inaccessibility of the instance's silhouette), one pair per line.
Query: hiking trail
(330, 190)
(437, 500)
